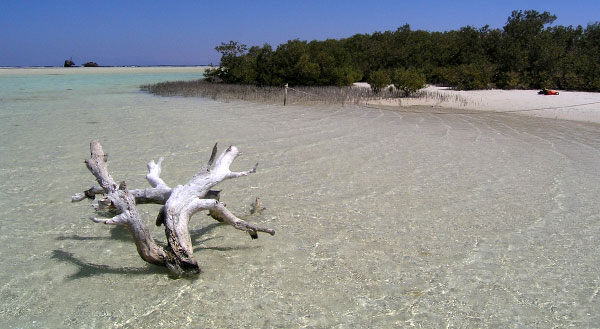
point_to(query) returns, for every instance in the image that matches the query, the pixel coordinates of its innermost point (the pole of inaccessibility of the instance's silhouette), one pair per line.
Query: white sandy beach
(568, 105)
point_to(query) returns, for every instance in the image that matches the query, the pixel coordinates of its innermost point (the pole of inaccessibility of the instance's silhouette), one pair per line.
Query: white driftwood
(180, 204)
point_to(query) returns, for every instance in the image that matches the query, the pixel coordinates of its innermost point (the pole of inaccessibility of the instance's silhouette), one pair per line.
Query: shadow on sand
(119, 233)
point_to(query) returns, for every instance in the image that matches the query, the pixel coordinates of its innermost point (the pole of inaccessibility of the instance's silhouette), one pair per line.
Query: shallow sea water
(384, 218)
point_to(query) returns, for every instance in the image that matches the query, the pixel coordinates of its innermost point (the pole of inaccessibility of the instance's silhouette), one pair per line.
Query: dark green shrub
(473, 76)
(409, 81)
(378, 80)
(509, 80)
(212, 75)
(345, 76)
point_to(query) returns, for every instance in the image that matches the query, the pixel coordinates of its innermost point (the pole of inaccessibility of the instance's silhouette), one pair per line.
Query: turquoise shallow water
(384, 218)
(21, 83)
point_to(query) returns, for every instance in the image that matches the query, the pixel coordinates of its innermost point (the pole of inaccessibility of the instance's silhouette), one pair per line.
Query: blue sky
(45, 33)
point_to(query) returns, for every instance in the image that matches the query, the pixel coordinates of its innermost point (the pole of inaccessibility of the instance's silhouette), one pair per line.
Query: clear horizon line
(132, 65)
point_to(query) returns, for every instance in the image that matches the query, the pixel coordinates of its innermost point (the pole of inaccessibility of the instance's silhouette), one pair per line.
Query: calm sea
(384, 218)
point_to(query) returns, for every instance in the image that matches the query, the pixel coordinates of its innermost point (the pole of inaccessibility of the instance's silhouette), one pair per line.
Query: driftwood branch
(153, 176)
(180, 204)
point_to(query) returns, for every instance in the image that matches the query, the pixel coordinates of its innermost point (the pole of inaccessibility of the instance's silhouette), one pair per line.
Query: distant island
(526, 53)
(70, 63)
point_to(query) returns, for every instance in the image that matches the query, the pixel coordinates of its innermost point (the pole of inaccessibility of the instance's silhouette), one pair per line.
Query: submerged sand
(384, 218)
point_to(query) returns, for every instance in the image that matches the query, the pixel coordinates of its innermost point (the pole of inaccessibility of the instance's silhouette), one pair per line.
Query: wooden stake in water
(285, 89)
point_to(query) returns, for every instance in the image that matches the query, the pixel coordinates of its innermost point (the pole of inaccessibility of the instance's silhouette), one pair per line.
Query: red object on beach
(548, 92)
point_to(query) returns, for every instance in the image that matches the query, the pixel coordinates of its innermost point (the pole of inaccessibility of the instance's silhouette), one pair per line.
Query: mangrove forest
(527, 52)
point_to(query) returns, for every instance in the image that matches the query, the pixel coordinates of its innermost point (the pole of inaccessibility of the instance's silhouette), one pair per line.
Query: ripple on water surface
(384, 218)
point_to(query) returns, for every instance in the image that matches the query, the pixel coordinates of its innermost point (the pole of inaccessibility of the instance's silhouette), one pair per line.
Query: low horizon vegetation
(526, 53)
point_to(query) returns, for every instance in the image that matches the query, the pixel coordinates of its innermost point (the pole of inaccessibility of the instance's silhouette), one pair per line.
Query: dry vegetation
(296, 95)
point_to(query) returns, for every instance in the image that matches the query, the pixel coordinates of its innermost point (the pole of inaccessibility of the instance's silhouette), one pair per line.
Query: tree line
(526, 53)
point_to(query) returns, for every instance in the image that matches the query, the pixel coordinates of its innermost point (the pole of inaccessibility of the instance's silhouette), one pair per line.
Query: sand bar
(568, 105)
(99, 70)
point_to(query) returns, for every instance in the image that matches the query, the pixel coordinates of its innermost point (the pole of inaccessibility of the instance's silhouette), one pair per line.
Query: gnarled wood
(119, 201)
(180, 204)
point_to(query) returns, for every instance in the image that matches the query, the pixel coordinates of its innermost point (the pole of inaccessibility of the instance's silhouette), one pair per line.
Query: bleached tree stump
(180, 204)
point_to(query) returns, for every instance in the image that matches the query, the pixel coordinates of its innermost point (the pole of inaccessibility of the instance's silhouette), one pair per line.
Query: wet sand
(384, 218)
